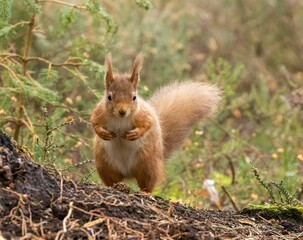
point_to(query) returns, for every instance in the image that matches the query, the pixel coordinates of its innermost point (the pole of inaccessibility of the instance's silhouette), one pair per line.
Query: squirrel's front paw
(105, 135)
(133, 135)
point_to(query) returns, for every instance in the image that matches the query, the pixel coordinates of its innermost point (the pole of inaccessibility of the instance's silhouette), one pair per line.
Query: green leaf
(32, 89)
(67, 17)
(144, 4)
(96, 68)
(5, 30)
(33, 6)
(5, 10)
(7, 91)
(48, 76)
(94, 7)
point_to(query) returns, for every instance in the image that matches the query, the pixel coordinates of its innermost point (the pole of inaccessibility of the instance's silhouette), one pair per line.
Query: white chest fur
(121, 152)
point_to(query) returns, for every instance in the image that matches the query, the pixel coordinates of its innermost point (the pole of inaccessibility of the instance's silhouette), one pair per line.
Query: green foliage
(26, 78)
(6, 30)
(264, 184)
(221, 71)
(285, 197)
(48, 76)
(97, 69)
(32, 89)
(33, 6)
(49, 146)
(144, 4)
(94, 7)
(5, 10)
(67, 19)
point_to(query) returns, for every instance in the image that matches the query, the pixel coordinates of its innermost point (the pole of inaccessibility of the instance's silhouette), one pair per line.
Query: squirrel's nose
(122, 112)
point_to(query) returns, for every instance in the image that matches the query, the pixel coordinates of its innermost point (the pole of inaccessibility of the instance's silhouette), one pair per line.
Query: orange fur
(180, 106)
(134, 136)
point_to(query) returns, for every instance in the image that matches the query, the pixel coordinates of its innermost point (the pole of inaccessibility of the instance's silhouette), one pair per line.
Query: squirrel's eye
(109, 97)
(134, 98)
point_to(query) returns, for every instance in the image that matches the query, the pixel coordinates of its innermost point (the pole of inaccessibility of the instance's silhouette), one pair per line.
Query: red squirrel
(134, 136)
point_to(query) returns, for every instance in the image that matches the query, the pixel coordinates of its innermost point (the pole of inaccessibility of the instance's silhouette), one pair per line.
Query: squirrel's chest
(122, 153)
(119, 125)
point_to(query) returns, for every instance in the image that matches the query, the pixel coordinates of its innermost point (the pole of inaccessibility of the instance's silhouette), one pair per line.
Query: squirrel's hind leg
(148, 171)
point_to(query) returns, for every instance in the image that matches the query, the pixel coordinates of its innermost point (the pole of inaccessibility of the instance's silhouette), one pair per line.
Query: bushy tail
(180, 106)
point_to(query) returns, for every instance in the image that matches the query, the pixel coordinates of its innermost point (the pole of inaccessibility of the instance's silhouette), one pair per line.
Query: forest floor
(35, 204)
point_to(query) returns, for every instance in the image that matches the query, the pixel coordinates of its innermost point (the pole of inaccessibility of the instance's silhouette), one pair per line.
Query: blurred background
(52, 55)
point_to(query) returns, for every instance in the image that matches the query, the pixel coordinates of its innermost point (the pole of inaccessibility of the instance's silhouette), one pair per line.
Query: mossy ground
(269, 211)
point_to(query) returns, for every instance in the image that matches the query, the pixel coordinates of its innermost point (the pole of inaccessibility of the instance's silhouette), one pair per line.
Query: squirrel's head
(121, 90)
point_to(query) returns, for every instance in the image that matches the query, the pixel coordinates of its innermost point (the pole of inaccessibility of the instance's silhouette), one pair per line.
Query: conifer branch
(28, 59)
(78, 6)
(27, 42)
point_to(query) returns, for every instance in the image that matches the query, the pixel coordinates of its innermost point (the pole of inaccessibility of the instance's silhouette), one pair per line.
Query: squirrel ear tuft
(109, 78)
(138, 64)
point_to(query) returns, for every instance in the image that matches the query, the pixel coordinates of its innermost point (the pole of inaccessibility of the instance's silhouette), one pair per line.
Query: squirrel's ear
(138, 64)
(109, 78)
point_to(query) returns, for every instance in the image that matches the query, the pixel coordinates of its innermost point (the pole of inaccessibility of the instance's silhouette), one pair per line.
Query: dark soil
(35, 204)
